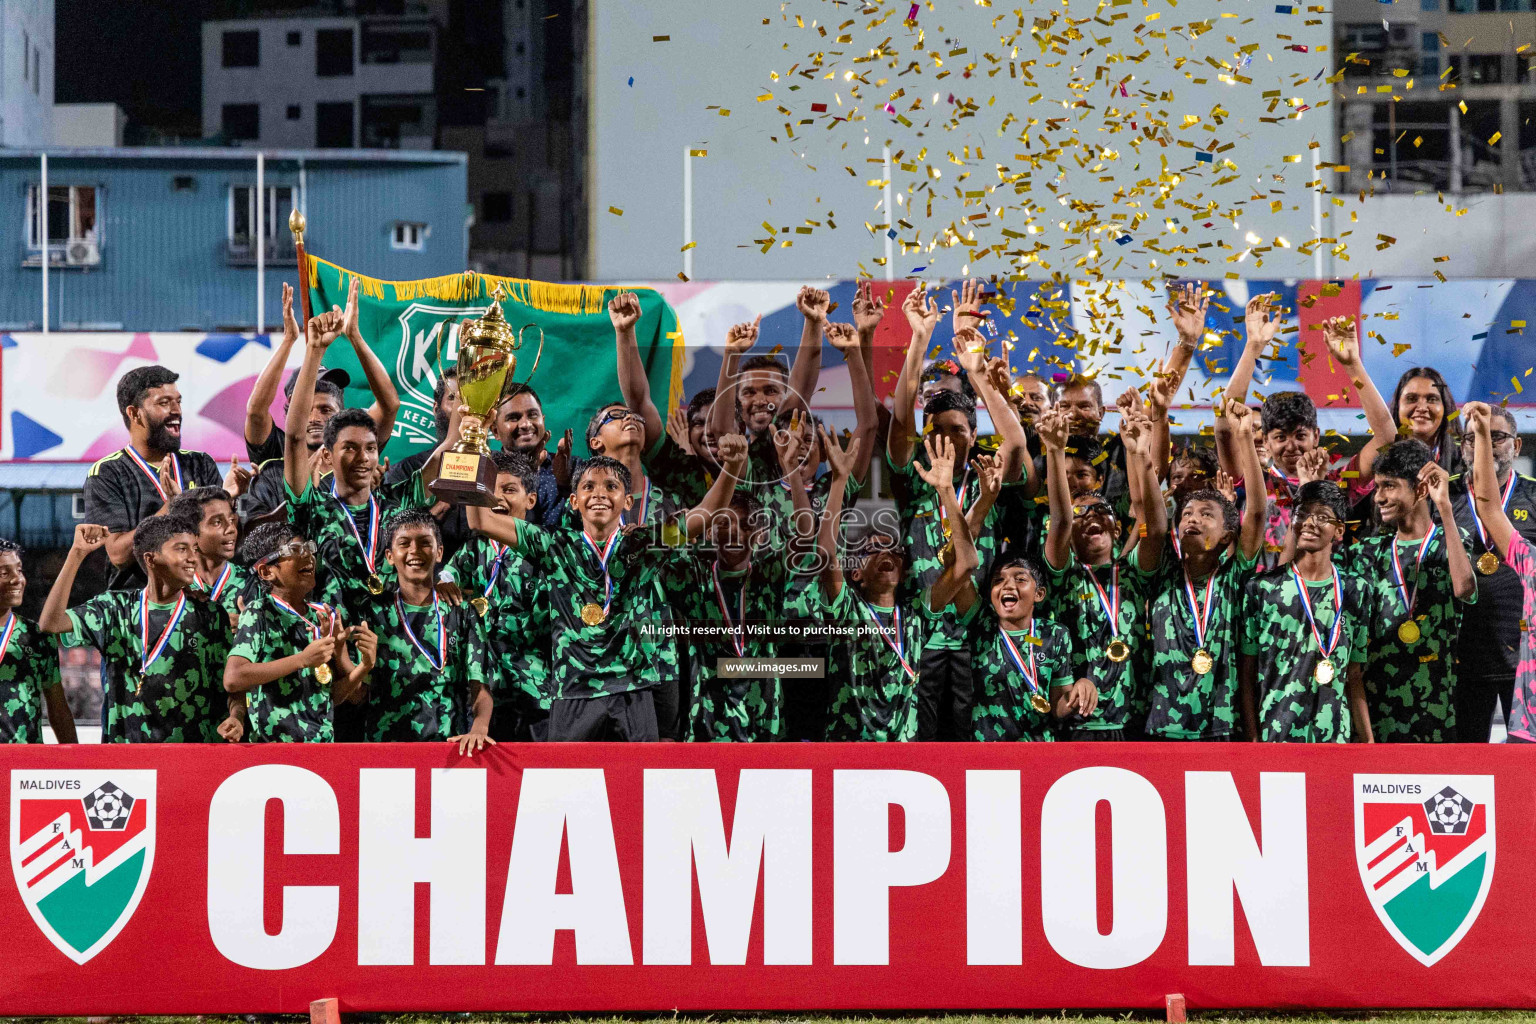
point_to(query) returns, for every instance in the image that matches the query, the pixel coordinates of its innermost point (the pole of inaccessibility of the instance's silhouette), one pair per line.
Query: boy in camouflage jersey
(1423, 578)
(218, 529)
(879, 699)
(162, 647)
(290, 655)
(512, 602)
(1195, 598)
(1304, 635)
(601, 585)
(430, 680)
(29, 664)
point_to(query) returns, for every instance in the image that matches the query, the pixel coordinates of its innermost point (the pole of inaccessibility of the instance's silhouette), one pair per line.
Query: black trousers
(944, 695)
(1476, 697)
(613, 716)
(1097, 735)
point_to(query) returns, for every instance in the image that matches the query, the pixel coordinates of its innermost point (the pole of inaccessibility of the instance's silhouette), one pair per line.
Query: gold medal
(592, 614)
(1487, 563)
(1202, 662)
(323, 675)
(1118, 650)
(1039, 703)
(1408, 632)
(375, 584)
(480, 605)
(1324, 671)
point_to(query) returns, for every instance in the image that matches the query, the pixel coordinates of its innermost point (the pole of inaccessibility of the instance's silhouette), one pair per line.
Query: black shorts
(628, 717)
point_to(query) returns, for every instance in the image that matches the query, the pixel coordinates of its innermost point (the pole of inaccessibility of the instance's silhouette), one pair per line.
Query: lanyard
(1024, 663)
(1110, 602)
(1509, 490)
(218, 584)
(739, 626)
(897, 646)
(602, 563)
(1279, 474)
(442, 632)
(496, 564)
(965, 479)
(150, 656)
(154, 478)
(5, 640)
(1338, 611)
(369, 550)
(1409, 596)
(645, 503)
(1201, 616)
(312, 628)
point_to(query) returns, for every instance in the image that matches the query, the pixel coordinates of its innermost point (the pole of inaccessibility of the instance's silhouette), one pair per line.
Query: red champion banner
(182, 879)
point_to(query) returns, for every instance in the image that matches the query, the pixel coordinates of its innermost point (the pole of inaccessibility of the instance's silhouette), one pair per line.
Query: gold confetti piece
(1463, 105)
(1517, 323)
(1496, 137)
(690, 245)
(661, 39)
(615, 211)
(698, 152)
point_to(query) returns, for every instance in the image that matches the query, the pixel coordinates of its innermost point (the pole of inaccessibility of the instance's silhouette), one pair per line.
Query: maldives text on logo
(1425, 846)
(82, 844)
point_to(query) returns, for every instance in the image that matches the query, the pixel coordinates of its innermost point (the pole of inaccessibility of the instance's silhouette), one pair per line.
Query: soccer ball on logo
(1449, 813)
(108, 807)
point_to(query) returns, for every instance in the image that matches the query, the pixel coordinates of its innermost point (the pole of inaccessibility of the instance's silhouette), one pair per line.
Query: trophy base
(465, 478)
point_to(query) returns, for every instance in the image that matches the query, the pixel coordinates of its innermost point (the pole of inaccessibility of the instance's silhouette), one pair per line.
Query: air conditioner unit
(82, 253)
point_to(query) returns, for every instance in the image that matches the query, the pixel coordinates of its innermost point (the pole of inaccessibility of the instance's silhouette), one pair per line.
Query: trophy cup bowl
(487, 358)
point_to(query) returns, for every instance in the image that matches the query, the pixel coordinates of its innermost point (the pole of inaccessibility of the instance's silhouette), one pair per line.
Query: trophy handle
(448, 323)
(537, 354)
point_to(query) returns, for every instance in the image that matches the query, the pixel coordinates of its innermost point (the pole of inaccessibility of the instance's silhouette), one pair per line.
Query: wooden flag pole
(296, 225)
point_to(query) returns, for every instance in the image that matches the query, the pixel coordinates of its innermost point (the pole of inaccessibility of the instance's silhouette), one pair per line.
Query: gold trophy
(488, 350)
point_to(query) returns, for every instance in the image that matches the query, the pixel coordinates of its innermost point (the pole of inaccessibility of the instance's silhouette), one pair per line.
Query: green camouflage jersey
(1409, 686)
(878, 698)
(734, 709)
(227, 587)
(676, 472)
(1294, 706)
(1186, 705)
(516, 621)
(295, 708)
(1078, 596)
(423, 689)
(180, 697)
(1003, 709)
(343, 533)
(29, 664)
(608, 657)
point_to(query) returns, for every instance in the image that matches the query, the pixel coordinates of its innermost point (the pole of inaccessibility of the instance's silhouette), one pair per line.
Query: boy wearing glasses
(1488, 648)
(1303, 650)
(290, 654)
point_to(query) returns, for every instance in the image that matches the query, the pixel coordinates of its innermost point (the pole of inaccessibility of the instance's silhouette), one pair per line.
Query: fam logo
(429, 343)
(1425, 846)
(82, 844)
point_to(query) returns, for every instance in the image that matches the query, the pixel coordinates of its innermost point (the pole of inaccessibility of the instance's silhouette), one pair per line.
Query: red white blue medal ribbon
(738, 626)
(150, 656)
(154, 477)
(1338, 611)
(898, 646)
(218, 584)
(5, 639)
(1024, 663)
(965, 479)
(442, 632)
(496, 564)
(1509, 489)
(1201, 616)
(1409, 596)
(371, 549)
(602, 563)
(1109, 602)
(313, 628)
(645, 504)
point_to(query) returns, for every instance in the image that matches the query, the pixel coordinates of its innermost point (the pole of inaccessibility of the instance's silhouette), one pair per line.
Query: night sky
(146, 57)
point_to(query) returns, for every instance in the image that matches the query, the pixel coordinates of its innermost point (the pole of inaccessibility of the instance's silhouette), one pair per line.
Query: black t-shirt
(271, 448)
(1489, 643)
(119, 495)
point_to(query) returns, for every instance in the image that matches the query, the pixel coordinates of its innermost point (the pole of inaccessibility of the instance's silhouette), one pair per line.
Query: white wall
(722, 54)
(1493, 239)
(88, 124)
(26, 90)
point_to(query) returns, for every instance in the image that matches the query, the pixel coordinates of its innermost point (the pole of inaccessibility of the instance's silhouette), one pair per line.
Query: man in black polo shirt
(139, 481)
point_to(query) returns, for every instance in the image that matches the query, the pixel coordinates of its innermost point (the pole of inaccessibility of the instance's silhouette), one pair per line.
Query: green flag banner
(413, 327)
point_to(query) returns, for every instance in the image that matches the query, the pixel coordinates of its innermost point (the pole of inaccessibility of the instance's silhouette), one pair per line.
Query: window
(26, 57)
(406, 42)
(409, 235)
(242, 222)
(294, 38)
(397, 122)
(1429, 5)
(72, 217)
(37, 71)
(1429, 67)
(333, 52)
(183, 183)
(1487, 5)
(1485, 68)
(333, 125)
(294, 112)
(1453, 61)
(242, 49)
(1429, 42)
(496, 207)
(242, 121)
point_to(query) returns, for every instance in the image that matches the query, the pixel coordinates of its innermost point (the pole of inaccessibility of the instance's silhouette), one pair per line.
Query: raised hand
(813, 304)
(1477, 417)
(838, 457)
(1343, 340)
(1160, 392)
(966, 305)
(322, 329)
(560, 465)
(921, 311)
(238, 480)
(1262, 318)
(970, 350)
(316, 465)
(348, 324)
(168, 482)
(941, 462)
(1240, 417)
(999, 376)
(867, 309)
(290, 325)
(1186, 308)
(1313, 465)
(677, 429)
(842, 337)
(1224, 485)
(624, 311)
(1438, 483)
(88, 537)
(1136, 433)
(733, 454)
(1053, 428)
(989, 471)
(741, 337)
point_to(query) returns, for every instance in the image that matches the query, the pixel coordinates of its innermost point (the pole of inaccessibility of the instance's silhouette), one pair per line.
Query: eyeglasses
(1322, 520)
(618, 414)
(1097, 508)
(291, 549)
(1496, 436)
